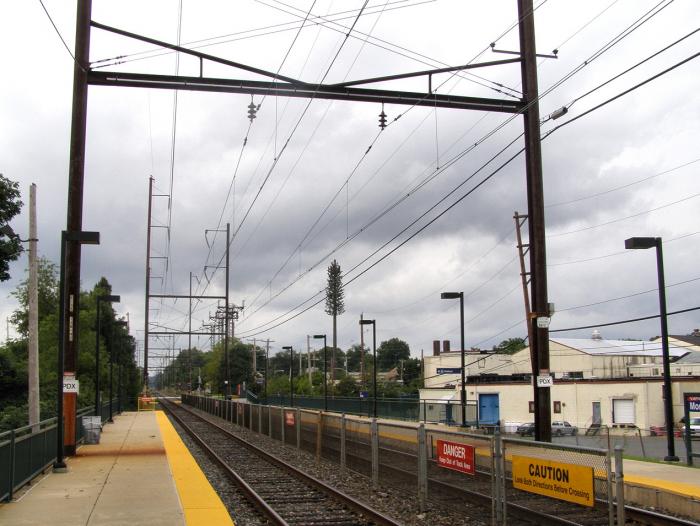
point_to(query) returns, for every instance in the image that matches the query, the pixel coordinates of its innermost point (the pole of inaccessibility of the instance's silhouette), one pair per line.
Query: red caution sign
(455, 456)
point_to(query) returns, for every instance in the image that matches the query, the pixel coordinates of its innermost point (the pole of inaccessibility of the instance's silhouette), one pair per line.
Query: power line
(461, 198)
(604, 256)
(61, 36)
(621, 322)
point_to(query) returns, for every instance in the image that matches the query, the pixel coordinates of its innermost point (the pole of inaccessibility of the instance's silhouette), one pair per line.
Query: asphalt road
(634, 445)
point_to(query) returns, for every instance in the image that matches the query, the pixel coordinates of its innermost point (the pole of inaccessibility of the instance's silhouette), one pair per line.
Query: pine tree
(335, 305)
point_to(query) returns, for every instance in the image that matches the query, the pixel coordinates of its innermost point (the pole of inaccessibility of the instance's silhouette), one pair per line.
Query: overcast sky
(627, 169)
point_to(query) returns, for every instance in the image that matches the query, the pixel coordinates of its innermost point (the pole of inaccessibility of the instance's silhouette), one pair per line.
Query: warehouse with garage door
(596, 382)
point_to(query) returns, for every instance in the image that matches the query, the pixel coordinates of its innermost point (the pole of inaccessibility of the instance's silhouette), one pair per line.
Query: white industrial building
(597, 382)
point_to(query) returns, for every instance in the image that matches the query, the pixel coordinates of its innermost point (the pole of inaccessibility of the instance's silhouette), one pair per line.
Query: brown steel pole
(74, 222)
(226, 318)
(536, 223)
(148, 285)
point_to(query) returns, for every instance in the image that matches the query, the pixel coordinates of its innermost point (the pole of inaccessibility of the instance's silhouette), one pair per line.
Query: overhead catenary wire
(455, 203)
(292, 133)
(240, 35)
(648, 15)
(48, 15)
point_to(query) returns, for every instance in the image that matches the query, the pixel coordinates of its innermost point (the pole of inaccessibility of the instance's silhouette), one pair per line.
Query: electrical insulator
(252, 110)
(382, 119)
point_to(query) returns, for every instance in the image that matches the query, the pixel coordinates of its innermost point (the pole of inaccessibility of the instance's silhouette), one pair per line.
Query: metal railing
(24, 453)
(407, 455)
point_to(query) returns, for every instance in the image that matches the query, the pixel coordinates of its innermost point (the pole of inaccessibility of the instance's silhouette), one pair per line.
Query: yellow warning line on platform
(688, 490)
(200, 503)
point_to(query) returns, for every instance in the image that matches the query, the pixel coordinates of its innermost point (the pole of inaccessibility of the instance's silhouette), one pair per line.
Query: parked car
(527, 429)
(660, 431)
(561, 427)
(694, 427)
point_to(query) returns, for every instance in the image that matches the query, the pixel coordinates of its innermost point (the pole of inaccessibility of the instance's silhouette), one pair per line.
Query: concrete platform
(128, 479)
(663, 486)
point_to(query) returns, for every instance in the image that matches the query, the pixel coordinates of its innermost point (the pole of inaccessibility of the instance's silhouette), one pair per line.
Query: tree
(510, 346)
(354, 356)
(10, 205)
(347, 386)
(335, 305)
(391, 352)
(411, 370)
(48, 296)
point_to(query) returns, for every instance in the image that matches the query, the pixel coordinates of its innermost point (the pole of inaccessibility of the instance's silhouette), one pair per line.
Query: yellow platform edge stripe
(681, 488)
(200, 503)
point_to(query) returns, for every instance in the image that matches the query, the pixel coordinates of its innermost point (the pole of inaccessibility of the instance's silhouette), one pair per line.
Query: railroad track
(283, 494)
(521, 505)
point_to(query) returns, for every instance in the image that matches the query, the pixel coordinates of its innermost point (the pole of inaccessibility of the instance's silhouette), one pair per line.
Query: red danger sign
(289, 418)
(459, 457)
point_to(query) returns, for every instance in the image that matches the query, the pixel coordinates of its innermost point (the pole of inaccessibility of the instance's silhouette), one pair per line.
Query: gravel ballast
(391, 501)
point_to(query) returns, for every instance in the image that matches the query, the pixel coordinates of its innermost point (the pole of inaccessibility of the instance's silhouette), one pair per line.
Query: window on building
(557, 407)
(655, 371)
(577, 375)
(531, 406)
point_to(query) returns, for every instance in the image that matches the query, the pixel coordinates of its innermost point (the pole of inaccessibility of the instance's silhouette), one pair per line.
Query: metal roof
(619, 347)
(691, 357)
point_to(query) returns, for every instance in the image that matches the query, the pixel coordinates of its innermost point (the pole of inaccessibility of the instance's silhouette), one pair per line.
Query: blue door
(488, 408)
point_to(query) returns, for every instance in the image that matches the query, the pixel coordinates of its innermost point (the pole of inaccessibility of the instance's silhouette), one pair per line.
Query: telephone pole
(33, 293)
(536, 223)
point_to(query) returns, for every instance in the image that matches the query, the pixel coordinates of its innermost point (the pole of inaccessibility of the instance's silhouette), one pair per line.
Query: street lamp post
(291, 374)
(118, 323)
(83, 238)
(325, 372)
(111, 299)
(463, 392)
(655, 242)
(374, 361)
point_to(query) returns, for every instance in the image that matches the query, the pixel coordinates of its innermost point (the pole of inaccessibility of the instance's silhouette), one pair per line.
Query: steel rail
(654, 518)
(636, 514)
(373, 515)
(252, 495)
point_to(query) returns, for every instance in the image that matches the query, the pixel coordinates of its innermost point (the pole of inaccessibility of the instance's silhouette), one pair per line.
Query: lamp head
(84, 238)
(635, 243)
(287, 348)
(366, 322)
(319, 336)
(110, 298)
(450, 295)
(7, 231)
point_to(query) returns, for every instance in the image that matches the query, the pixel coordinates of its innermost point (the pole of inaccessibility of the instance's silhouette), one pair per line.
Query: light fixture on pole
(640, 243)
(325, 372)
(291, 373)
(463, 391)
(374, 361)
(110, 299)
(83, 238)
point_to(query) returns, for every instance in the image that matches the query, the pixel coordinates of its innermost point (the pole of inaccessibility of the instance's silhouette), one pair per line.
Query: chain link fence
(442, 464)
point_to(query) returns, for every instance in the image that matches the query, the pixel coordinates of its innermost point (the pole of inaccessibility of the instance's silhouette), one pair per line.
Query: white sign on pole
(545, 381)
(71, 385)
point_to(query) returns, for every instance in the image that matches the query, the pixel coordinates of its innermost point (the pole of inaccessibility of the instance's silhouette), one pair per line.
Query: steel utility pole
(189, 341)
(288, 87)
(362, 352)
(226, 318)
(148, 285)
(74, 219)
(33, 293)
(536, 223)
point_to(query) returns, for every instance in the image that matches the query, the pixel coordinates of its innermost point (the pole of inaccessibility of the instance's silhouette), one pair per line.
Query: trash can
(92, 427)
